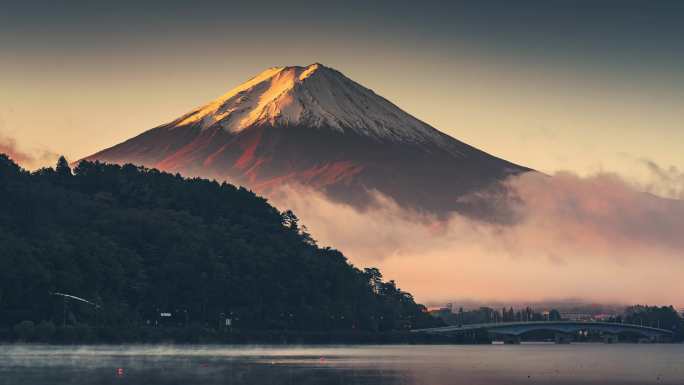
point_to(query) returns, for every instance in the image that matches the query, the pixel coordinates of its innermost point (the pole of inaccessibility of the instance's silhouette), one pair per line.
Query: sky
(592, 91)
(553, 85)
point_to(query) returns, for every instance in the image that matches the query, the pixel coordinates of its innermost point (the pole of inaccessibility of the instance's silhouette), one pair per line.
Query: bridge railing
(541, 324)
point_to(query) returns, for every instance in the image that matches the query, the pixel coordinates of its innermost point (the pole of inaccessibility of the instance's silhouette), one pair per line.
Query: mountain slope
(314, 126)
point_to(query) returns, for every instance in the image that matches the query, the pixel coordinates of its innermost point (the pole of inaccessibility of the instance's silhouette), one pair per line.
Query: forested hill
(139, 242)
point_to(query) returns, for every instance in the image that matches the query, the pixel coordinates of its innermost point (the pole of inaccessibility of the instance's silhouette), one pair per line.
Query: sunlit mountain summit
(314, 126)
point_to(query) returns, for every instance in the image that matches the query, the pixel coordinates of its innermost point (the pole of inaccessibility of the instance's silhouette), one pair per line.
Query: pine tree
(63, 168)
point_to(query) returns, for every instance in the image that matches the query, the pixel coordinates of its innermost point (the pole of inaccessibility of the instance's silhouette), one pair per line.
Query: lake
(344, 365)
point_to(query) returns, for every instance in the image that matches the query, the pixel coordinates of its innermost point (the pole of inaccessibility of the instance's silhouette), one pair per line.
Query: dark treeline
(663, 317)
(489, 315)
(138, 243)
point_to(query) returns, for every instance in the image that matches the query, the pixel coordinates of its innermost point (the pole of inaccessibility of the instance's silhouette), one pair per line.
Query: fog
(598, 238)
(360, 365)
(602, 238)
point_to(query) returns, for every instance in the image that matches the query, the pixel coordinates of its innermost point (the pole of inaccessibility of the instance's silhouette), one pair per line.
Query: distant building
(577, 316)
(442, 312)
(604, 317)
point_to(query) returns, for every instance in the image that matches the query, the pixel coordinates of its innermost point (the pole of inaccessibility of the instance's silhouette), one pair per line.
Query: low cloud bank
(596, 238)
(27, 159)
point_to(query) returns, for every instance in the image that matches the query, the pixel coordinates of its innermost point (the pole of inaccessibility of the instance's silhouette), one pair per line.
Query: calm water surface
(349, 365)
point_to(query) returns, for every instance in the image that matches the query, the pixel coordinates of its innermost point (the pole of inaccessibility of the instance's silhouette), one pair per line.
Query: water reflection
(376, 365)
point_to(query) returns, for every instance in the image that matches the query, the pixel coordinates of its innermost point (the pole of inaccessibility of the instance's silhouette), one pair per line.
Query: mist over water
(597, 238)
(406, 365)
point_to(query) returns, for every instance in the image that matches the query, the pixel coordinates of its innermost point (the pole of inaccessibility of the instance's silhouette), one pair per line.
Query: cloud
(31, 160)
(596, 238)
(663, 181)
(9, 146)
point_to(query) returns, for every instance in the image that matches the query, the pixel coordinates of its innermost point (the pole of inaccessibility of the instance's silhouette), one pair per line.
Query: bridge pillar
(511, 339)
(610, 338)
(648, 340)
(562, 338)
(663, 339)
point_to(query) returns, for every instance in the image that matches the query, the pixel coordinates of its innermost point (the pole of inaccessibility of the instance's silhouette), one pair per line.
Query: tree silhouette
(63, 168)
(139, 242)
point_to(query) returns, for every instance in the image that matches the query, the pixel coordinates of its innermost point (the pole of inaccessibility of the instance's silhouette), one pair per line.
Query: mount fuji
(315, 127)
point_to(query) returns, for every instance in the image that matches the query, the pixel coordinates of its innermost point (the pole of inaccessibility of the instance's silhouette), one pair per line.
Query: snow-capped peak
(313, 96)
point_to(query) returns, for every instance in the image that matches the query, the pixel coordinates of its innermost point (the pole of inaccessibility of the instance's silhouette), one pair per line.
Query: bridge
(511, 332)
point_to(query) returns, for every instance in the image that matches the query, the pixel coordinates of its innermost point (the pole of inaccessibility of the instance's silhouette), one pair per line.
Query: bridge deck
(517, 328)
